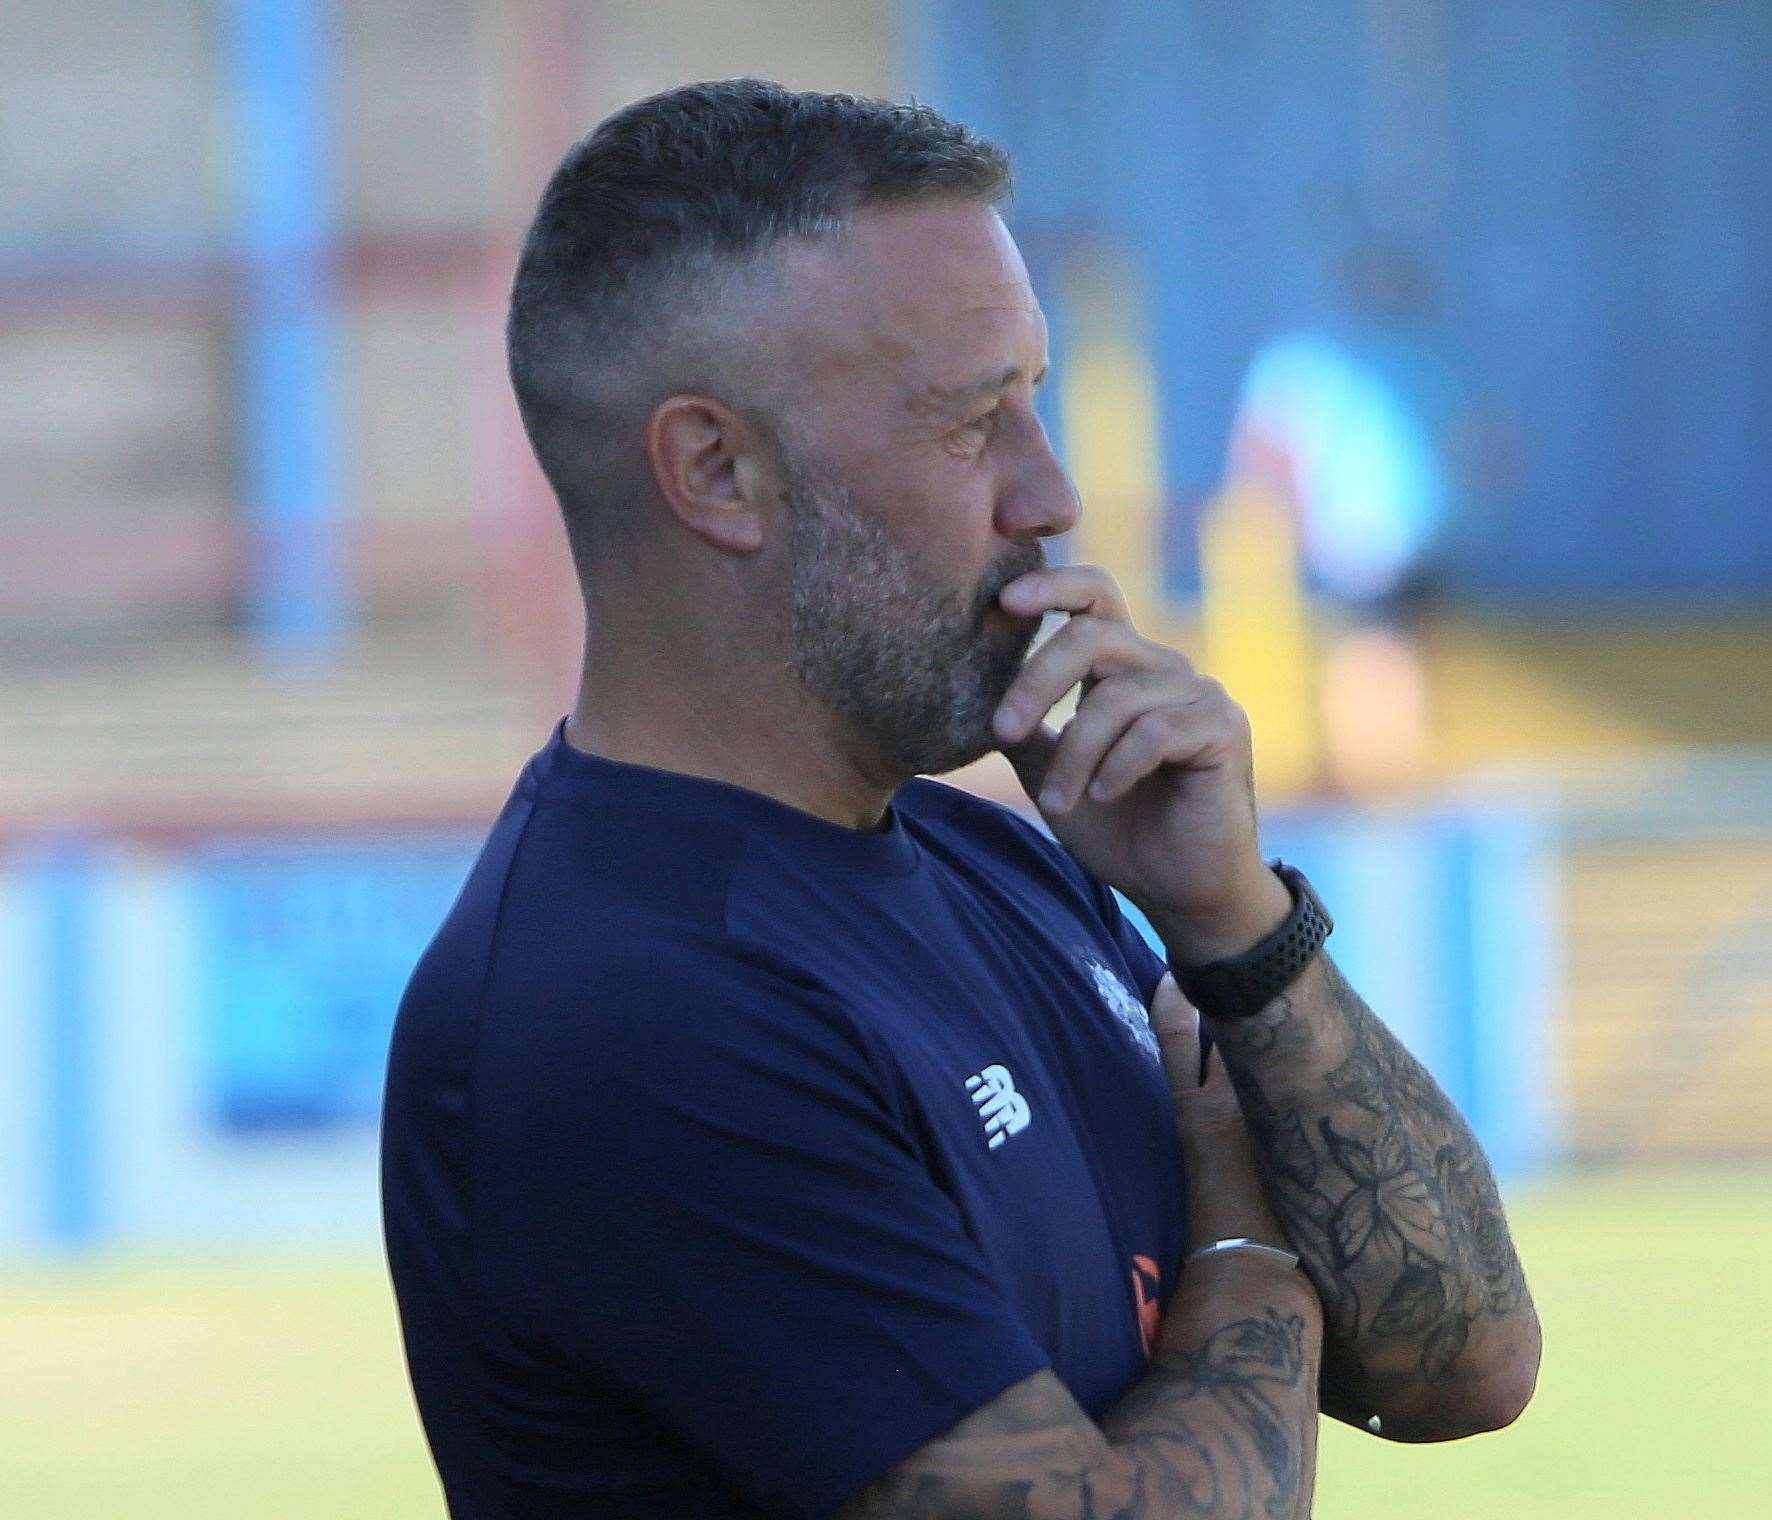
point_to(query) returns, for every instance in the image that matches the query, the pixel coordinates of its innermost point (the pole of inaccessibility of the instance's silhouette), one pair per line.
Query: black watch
(1247, 983)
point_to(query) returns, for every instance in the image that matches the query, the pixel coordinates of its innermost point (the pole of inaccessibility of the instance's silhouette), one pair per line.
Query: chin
(959, 760)
(959, 749)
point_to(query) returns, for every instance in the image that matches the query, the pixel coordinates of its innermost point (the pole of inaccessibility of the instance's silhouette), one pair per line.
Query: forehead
(925, 295)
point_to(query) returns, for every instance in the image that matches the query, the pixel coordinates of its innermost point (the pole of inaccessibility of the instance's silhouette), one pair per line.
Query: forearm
(1393, 1209)
(1224, 1422)
(1222, 1426)
(1151, 786)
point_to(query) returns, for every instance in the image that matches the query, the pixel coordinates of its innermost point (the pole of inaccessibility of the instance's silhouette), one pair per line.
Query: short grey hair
(649, 249)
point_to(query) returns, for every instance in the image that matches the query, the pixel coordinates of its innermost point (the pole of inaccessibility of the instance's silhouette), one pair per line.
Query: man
(769, 1132)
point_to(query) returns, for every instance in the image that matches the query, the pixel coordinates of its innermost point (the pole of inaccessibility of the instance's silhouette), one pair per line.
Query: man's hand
(1151, 784)
(1378, 1181)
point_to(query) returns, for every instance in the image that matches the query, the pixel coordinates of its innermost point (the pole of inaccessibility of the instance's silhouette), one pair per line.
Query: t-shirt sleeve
(730, 1226)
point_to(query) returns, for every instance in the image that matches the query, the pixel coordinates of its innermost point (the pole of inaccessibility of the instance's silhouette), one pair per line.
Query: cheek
(950, 518)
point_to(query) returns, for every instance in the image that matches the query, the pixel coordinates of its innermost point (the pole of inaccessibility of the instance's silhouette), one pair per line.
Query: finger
(1066, 588)
(1106, 713)
(1177, 1025)
(1172, 735)
(1211, 1107)
(1086, 648)
(1205, 732)
(1032, 757)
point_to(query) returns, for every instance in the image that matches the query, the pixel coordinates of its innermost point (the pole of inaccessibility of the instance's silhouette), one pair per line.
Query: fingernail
(1007, 720)
(1051, 799)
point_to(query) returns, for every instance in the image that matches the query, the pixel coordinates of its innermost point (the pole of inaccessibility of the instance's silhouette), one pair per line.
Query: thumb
(1032, 756)
(1177, 1025)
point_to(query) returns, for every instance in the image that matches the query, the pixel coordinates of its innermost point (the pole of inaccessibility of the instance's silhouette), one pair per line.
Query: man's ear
(712, 469)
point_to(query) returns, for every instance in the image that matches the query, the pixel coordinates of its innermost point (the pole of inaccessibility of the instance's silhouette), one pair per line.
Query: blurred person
(1356, 426)
(772, 1131)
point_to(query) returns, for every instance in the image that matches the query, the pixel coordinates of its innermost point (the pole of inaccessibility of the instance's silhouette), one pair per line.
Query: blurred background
(1414, 358)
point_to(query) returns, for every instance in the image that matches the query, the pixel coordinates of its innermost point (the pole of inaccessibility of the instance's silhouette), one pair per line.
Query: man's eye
(983, 426)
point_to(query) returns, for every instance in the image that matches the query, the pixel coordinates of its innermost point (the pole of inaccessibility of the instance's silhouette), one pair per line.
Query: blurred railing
(195, 1014)
(1667, 891)
(199, 1016)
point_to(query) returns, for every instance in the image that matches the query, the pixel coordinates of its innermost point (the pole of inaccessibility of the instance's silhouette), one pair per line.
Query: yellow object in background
(1258, 639)
(1109, 396)
(1258, 631)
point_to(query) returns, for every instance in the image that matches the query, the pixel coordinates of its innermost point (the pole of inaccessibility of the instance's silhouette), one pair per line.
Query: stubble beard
(910, 663)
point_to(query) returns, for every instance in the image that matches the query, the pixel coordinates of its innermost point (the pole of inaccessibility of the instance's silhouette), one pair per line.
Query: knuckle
(1169, 722)
(1123, 692)
(1236, 716)
(1169, 660)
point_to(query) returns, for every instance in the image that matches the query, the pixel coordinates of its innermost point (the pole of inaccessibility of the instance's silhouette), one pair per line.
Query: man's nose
(1039, 500)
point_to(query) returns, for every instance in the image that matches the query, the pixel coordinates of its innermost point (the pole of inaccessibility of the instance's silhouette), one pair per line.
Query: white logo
(1124, 1006)
(1003, 1109)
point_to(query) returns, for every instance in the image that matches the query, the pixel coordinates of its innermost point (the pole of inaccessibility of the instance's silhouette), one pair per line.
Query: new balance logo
(1003, 1109)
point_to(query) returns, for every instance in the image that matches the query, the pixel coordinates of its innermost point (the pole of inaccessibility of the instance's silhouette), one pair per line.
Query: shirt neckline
(886, 851)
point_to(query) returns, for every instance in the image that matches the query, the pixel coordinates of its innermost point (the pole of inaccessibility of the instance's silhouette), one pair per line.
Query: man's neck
(766, 736)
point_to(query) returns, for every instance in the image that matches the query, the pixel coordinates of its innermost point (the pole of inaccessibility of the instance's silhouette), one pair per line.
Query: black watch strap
(1247, 983)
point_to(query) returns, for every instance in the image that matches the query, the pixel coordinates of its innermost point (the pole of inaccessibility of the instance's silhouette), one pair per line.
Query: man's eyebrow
(941, 398)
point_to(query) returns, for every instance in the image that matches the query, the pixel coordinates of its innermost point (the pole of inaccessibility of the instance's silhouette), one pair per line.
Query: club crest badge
(1125, 1006)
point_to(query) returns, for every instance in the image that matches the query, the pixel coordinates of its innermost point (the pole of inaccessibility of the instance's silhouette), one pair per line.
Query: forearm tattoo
(1381, 1184)
(1227, 1430)
(1218, 1432)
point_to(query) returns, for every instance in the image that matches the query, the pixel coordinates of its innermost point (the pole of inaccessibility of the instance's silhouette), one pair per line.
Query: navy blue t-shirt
(731, 1155)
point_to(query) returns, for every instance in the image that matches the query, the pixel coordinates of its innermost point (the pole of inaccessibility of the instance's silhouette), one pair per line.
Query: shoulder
(565, 905)
(675, 1052)
(651, 1003)
(630, 854)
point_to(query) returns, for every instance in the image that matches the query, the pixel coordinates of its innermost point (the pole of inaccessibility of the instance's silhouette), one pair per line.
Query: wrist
(1243, 983)
(1227, 929)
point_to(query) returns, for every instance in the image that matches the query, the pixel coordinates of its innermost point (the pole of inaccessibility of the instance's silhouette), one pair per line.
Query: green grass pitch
(272, 1389)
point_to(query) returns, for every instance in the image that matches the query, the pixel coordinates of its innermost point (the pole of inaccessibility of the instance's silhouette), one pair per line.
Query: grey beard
(905, 660)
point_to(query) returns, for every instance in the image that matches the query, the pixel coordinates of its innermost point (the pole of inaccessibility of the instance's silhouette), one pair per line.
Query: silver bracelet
(1241, 1243)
